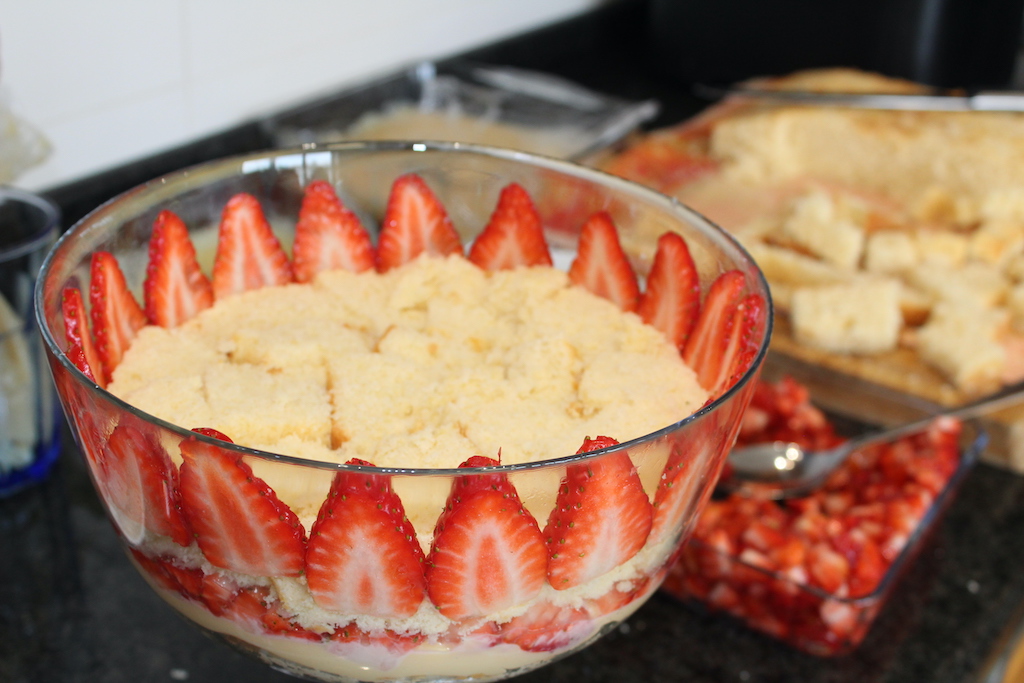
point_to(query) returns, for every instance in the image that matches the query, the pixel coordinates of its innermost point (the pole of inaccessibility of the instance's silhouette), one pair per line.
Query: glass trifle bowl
(334, 437)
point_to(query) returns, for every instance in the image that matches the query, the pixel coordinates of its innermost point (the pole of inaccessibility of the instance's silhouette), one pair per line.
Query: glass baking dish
(461, 101)
(781, 579)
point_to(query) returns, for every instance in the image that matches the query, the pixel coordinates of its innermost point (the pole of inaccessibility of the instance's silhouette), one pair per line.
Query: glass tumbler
(29, 419)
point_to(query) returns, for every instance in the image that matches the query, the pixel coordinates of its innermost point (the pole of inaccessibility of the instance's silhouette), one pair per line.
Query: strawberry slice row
(362, 556)
(717, 337)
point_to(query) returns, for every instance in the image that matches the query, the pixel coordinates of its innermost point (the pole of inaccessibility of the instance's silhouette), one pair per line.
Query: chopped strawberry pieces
(488, 553)
(175, 289)
(81, 350)
(116, 316)
(238, 521)
(138, 477)
(414, 223)
(249, 255)
(671, 300)
(601, 265)
(602, 517)
(328, 236)
(710, 349)
(363, 556)
(799, 569)
(514, 236)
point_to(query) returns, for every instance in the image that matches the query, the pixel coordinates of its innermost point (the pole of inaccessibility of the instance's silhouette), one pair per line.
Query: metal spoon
(785, 470)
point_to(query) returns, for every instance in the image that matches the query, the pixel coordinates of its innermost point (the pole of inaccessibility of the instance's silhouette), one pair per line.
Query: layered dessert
(409, 354)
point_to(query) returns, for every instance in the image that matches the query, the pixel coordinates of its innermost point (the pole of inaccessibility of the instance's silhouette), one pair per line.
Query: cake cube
(890, 252)
(941, 247)
(997, 242)
(858, 317)
(974, 284)
(963, 341)
(817, 226)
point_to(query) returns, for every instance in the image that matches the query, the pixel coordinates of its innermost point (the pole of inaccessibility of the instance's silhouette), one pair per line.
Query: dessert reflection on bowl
(402, 449)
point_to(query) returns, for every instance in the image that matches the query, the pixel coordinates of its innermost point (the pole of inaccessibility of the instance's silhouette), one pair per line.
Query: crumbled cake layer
(423, 366)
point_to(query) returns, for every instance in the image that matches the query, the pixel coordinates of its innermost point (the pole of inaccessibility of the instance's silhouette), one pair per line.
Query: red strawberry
(116, 316)
(175, 289)
(488, 553)
(601, 265)
(546, 627)
(249, 255)
(671, 301)
(676, 488)
(351, 641)
(138, 478)
(748, 325)
(707, 350)
(602, 517)
(238, 521)
(414, 223)
(81, 350)
(827, 568)
(328, 236)
(218, 591)
(186, 582)
(514, 236)
(363, 556)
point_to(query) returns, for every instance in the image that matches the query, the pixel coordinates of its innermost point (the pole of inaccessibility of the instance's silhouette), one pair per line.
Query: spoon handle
(966, 412)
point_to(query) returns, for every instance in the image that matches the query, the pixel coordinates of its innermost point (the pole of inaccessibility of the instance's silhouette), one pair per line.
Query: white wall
(108, 81)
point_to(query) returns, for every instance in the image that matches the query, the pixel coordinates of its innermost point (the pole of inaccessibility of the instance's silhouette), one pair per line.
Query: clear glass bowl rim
(166, 182)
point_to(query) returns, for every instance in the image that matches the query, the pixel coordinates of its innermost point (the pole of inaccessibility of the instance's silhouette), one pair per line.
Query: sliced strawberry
(708, 349)
(601, 265)
(186, 582)
(175, 289)
(488, 553)
(749, 322)
(414, 223)
(218, 592)
(139, 478)
(671, 301)
(238, 521)
(81, 350)
(602, 517)
(676, 489)
(116, 316)
(351, 641)
(363, 556)
(546, 627)
(328, 236)
(249, 256)
(514, 236)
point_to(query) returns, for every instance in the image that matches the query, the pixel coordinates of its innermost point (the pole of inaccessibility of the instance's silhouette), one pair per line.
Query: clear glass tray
(466, 102)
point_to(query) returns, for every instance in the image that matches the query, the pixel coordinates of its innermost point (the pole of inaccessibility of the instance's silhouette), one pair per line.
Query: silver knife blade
(989, 100)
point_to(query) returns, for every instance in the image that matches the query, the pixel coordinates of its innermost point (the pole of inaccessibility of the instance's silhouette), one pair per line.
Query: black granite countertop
(72, 607)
